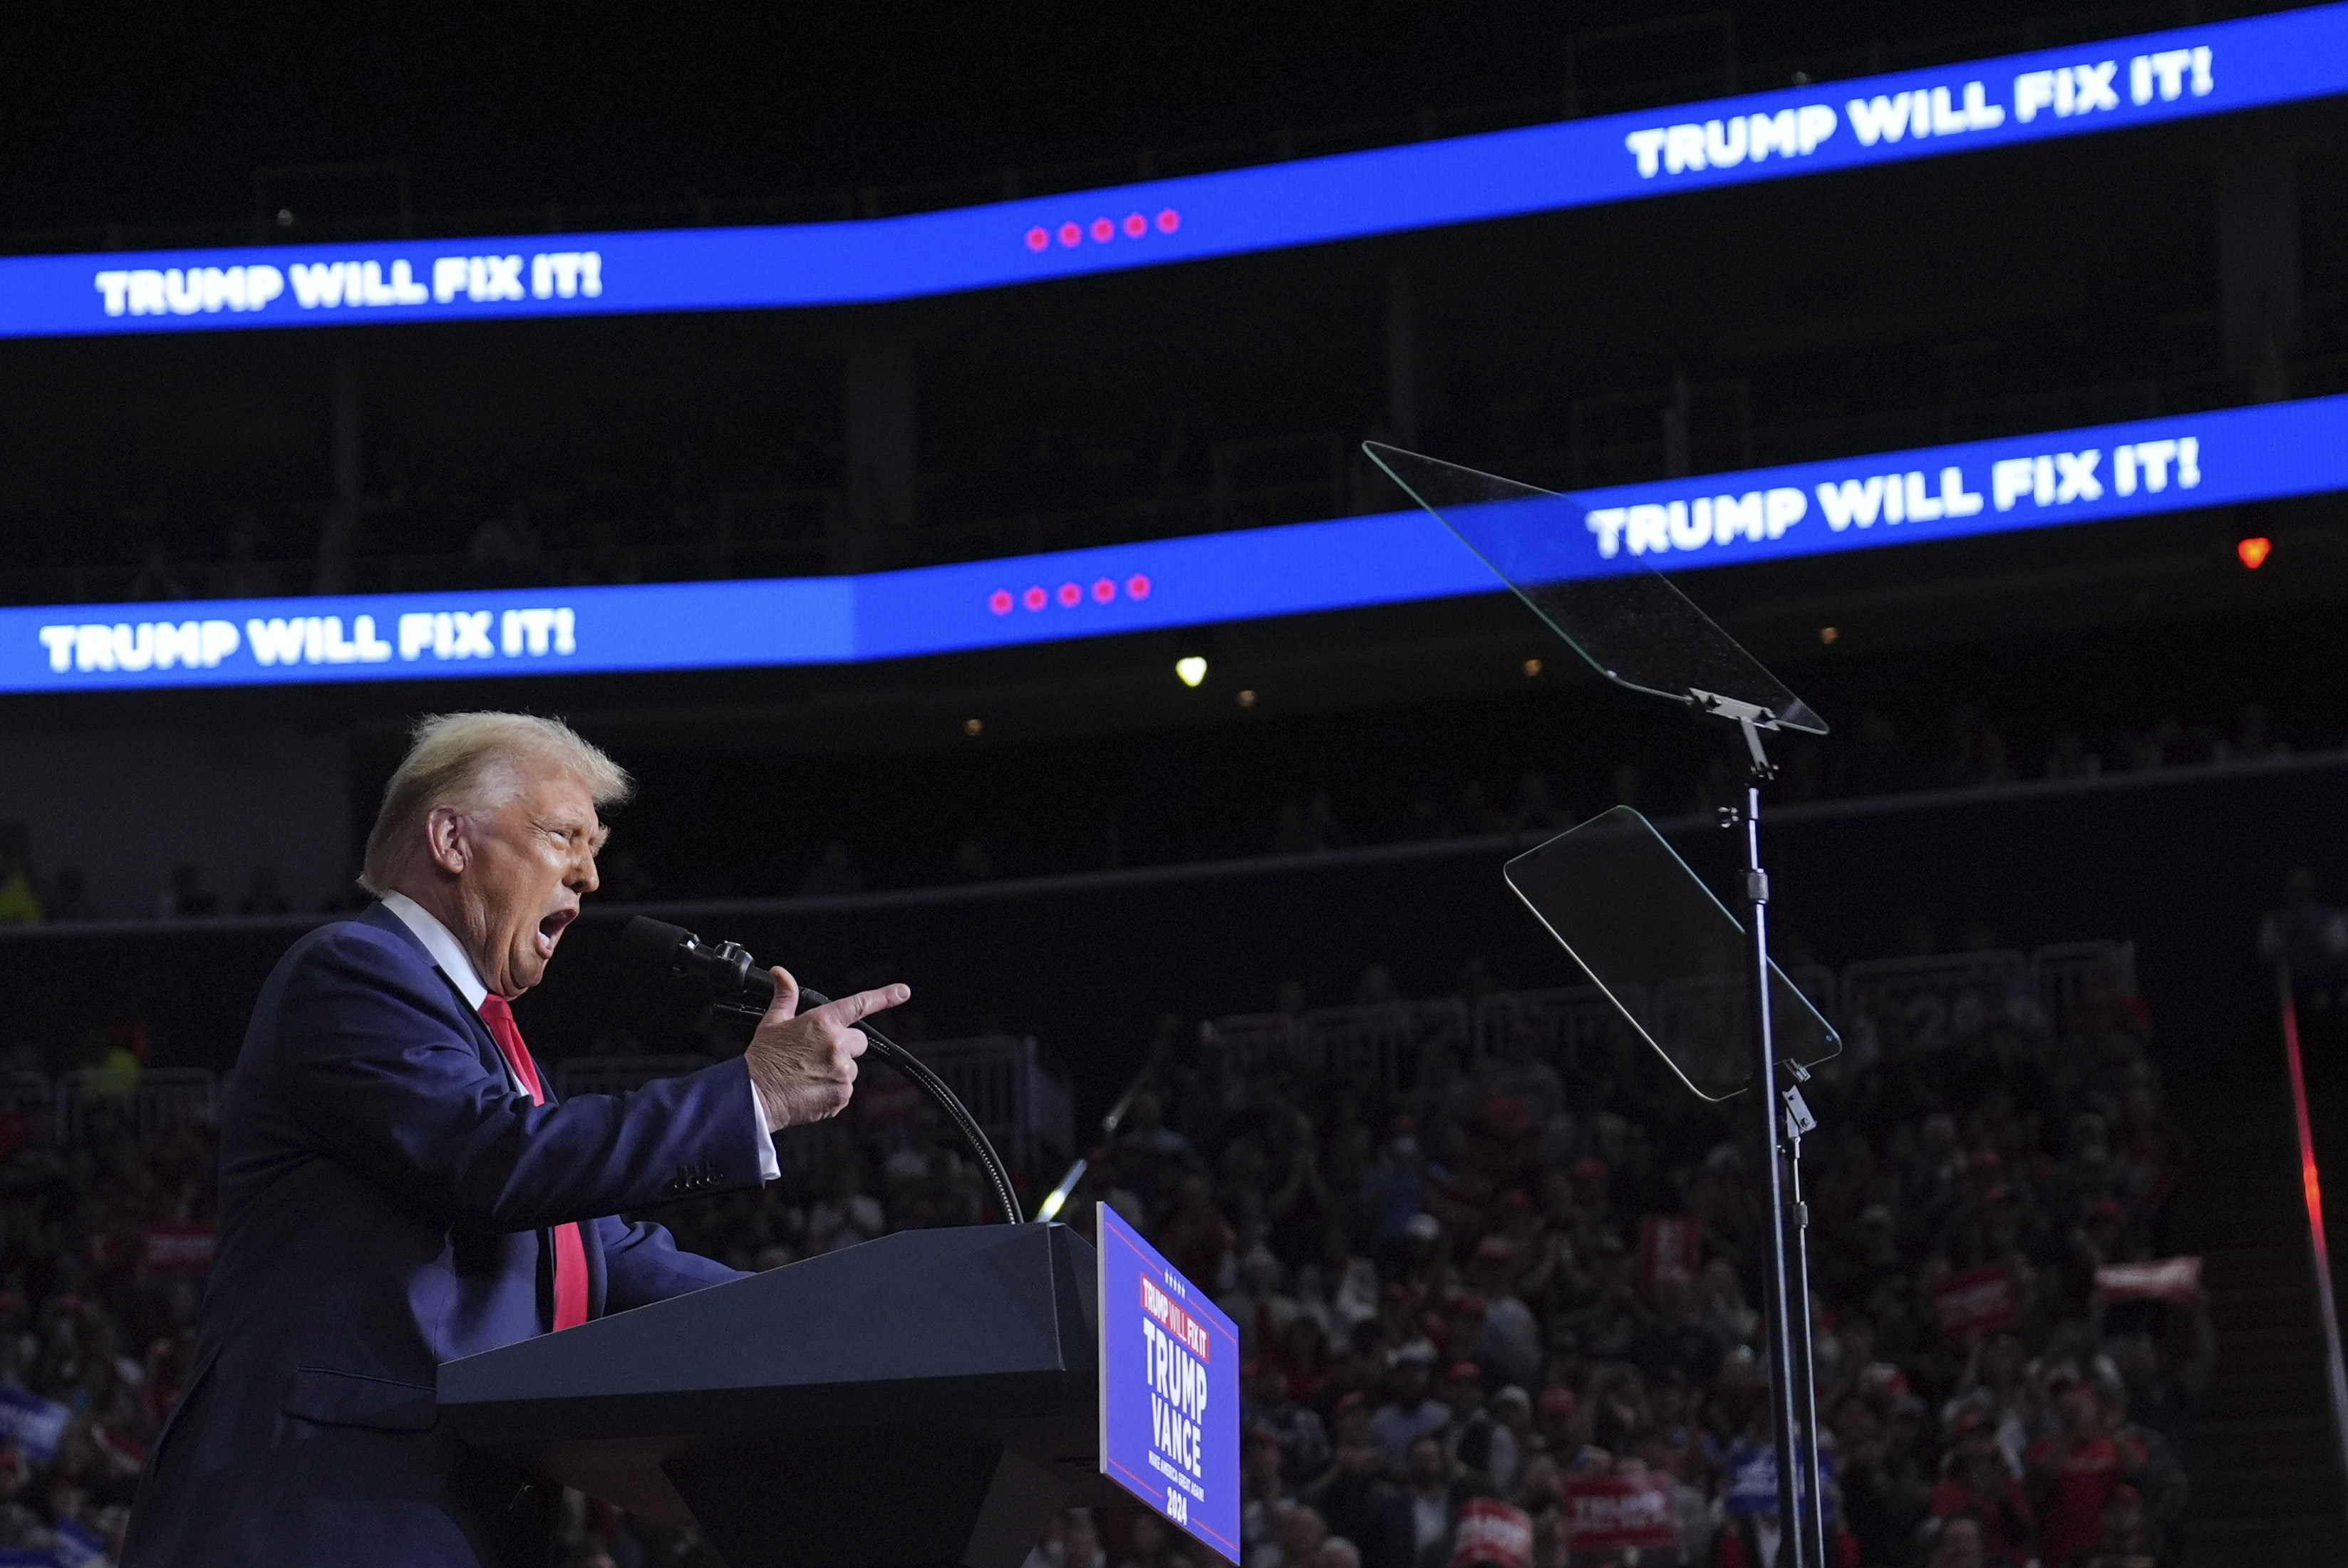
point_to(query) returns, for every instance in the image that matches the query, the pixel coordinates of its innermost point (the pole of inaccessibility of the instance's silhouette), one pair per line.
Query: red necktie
(569, 1252)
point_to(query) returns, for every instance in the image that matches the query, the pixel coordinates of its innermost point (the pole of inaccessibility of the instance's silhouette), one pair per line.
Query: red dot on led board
(999, 601)
(1104, 590)
(1103, 230)
(1070, 595)
(1033, 599)
(1137, 586)
(1136, 225)
(1070, 234)
(1038, 237)
(1168, 220)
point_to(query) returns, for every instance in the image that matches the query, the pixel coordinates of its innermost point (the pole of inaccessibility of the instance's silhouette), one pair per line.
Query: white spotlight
(1191, 669)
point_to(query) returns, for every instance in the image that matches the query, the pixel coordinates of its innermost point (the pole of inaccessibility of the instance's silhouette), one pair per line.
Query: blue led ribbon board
(2103, 474)
(1169, 1389)
(2154, 79)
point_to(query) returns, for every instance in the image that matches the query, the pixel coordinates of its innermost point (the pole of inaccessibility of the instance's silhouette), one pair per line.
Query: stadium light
(1191, 669)
(2254, 550)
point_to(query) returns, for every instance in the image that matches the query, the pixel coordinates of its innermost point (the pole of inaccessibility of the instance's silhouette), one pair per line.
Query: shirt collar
(439, 941)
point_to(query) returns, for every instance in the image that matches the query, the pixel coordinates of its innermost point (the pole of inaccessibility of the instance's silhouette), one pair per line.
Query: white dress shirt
(452, 960)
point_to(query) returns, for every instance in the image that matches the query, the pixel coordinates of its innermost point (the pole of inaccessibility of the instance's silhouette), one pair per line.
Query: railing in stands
(1020, 1106)
(1565, 1023)
(2063, 975)
(1895, 1006)
(1384, 1040)
(1023, 1109)
(148, 1103)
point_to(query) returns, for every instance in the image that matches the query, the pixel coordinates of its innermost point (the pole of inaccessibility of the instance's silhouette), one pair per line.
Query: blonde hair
(462, 759)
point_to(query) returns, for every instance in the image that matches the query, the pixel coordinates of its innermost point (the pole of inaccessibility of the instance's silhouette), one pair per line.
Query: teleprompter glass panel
(1631, 625)
(1630, 913)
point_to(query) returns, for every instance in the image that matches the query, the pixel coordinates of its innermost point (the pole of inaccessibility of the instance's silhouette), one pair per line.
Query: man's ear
(444, 839)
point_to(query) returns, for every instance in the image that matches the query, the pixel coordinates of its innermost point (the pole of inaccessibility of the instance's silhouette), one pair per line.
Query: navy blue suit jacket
(386, 1199)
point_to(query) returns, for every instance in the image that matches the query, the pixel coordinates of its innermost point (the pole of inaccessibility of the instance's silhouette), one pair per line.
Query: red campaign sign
(1187, 1330)
(1978, 1301)
(1668, 1244)
(176, 1249)
(1608, 1512)
(1492, 1533)
(2163, 1279)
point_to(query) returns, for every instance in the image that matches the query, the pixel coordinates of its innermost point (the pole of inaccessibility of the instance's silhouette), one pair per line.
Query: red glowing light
(1104, 590)
(1168, 220)
(1136, 587)
(1070, 596)
(999, 601)
(1070, 235)
(1103, 230)
(1038, 237)
(2254, 551)
(1136, 225)
(1033, 599)
(2311, 1185)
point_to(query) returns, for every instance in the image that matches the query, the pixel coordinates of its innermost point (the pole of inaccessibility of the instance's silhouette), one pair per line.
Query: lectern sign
(1169, 1389)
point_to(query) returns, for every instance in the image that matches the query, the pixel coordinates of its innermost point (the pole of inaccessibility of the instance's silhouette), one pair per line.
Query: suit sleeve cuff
(770, 1168)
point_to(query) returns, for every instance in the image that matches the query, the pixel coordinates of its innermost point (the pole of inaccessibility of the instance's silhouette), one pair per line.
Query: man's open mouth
(550, 930)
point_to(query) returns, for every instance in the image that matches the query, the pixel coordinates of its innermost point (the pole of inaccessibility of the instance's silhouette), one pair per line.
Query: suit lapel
(485, 1045)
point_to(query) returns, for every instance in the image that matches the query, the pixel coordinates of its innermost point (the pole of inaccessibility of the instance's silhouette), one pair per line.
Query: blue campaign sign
(1169, 1389)
(2216, 68)
(2103, 473)
(35, 1425)
(1753, 1481)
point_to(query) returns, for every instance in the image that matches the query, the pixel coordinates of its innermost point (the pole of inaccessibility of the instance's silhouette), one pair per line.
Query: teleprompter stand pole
(1793, 1404)
(1797, 1122)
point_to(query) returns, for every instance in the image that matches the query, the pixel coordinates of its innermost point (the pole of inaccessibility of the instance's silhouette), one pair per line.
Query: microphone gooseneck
(737, 983)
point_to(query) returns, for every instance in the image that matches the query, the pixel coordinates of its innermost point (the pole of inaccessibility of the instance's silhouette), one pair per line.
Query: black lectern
(924, 1400)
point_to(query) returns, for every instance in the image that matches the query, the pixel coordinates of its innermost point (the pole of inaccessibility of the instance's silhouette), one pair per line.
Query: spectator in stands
(68, 894)
(1351, 1492)
(20, 898)
(1264, 1496)
(1409, 1413)
(1479, 1447)
(1196, 1238)
(1976, 1483)
(1417, 1532)
(2126, 1542)
(2157, 1485)
(1956, 1543)
(190, 897)
(1883, 1493)
(2310, 939)
(1303, 1442)
(1394, 1189)
(1302, 1534)
(1509, 1338)
(2074, 1471)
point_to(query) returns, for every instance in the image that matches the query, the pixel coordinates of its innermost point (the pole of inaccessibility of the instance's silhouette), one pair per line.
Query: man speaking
(398, 1188)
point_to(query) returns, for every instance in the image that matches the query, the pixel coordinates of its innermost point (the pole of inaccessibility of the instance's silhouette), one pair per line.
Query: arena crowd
(1498, 1305)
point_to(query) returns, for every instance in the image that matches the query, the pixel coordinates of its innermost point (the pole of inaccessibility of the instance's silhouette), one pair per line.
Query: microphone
(739, 983)
(733, 978)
